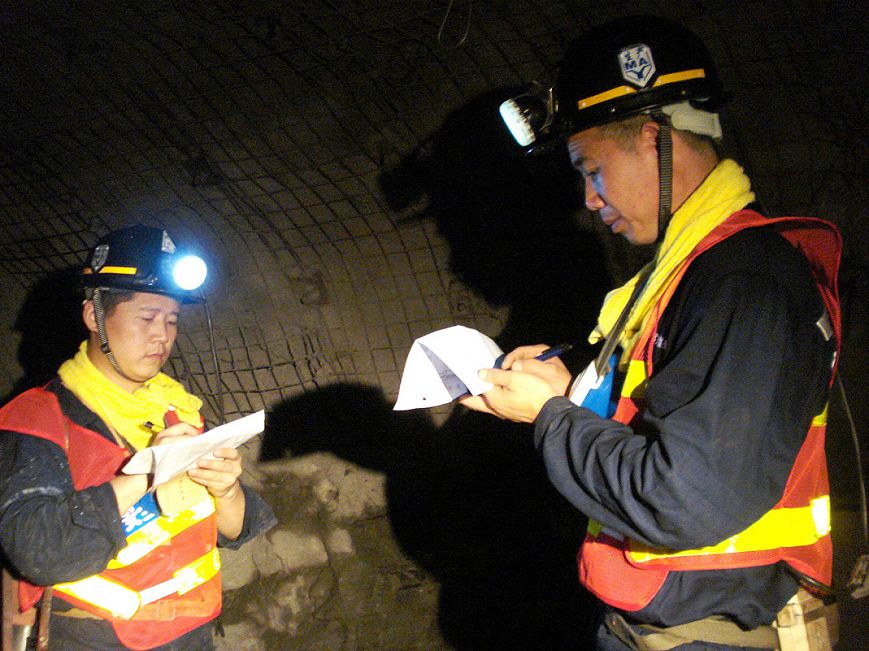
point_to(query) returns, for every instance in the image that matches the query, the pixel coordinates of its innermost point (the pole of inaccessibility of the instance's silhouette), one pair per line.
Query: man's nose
(593, 200)
(160, 330)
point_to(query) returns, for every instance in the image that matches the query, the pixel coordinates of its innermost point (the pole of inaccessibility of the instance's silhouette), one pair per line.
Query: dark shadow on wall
(470, 501)
(51, 328)
(510, 222)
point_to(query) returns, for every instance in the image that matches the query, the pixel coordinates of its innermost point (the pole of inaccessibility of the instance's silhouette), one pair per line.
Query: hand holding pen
(523, 381)
(542, 361)
(548, 353)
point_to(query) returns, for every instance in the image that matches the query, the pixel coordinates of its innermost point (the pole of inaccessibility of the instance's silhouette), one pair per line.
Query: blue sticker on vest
(600, 400)
(140, 514)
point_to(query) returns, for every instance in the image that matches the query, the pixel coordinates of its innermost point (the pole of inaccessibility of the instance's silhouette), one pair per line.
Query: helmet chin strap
(99, 314)
(665, 172)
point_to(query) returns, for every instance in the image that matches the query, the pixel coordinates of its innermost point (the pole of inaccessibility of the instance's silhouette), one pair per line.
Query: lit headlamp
(529, 116)
(188, 272)
(144, 259)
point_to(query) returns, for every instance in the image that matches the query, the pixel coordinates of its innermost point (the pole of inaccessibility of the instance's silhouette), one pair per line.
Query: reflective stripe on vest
(158, 532)
(124, 602)
(628, 576)
(782, 527)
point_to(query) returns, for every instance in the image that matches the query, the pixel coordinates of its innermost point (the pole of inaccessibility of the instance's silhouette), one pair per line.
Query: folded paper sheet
(443, 365)
(167, 461)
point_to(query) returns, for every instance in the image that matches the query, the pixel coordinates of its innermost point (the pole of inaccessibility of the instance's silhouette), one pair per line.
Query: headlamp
(188, 272)
(529, 116)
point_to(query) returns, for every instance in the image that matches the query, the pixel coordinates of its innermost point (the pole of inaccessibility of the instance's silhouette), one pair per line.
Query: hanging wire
(467, 24)
(856, 441)
(221, 410)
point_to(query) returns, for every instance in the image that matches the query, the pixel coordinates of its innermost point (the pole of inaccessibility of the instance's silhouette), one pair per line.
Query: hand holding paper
(443, 365)
(167, 461)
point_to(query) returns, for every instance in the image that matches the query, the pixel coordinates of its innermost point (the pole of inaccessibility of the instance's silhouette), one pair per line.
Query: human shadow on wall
(51, 329)
(510, 220)
(469, 500)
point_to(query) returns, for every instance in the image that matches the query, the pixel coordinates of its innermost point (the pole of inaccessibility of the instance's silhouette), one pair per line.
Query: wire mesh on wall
(342, 169)
(258, 130)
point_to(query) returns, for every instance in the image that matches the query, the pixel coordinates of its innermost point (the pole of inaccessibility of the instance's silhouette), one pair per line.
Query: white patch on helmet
(167, 246)
(637, 64)
(101, 254)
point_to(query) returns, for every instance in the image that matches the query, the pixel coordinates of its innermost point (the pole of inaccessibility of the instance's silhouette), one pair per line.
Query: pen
(549, 353)
(555, 351)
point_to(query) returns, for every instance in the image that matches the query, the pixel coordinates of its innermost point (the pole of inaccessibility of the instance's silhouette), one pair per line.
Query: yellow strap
(619, 91)
(109, 595)
(785, 527)
(634, 385)
(158, 532)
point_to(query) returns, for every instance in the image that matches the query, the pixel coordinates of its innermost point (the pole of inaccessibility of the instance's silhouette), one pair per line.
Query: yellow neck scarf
(726, 190)
(126, 413)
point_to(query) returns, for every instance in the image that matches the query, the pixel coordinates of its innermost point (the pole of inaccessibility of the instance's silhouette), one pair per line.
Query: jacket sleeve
(258, 518)
(739, 374)
(50, 532)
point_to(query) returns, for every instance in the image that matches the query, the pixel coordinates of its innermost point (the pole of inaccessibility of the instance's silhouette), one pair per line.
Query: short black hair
(110, 298)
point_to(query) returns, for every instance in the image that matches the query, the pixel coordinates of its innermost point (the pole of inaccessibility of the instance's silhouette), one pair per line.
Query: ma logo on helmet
(637, 64)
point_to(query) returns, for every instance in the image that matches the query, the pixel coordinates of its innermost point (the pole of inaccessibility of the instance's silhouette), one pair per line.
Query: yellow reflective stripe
(619, 91)
(109, 595)
(127, 271)
(198, 572)
(684, 75)
(821, 515)
(635, 378)
(786, 527)
(185, 579)
(124, 602)
(158, 532)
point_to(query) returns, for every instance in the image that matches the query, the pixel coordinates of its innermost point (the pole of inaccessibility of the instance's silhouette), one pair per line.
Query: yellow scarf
(726, 190)
(126, 413)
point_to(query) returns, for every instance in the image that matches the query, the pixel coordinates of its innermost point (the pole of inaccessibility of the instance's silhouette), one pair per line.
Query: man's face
(141, 333)
(621, 183)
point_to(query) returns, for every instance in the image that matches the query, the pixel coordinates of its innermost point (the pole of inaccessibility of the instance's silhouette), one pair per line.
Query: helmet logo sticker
(101, 253)
(637, 64)
(167, 246)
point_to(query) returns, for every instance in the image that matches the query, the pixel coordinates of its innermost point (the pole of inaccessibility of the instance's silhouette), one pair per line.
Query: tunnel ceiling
(316, 153)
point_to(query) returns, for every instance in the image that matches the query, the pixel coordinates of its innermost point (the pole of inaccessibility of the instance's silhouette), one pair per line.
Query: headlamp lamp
(188, 272)
(529, 116)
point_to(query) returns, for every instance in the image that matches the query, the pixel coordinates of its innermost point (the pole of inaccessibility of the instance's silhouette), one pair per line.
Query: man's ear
(88, 315)
(649, 133)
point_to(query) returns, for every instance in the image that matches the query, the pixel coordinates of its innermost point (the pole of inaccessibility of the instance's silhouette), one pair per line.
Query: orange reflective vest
(166, 581)
(627, 574)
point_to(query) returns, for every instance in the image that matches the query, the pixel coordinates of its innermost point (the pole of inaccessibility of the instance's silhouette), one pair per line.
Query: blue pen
(549, 353)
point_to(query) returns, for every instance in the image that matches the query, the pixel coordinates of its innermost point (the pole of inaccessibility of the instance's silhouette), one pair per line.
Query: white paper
(443, 365)
(167, 461)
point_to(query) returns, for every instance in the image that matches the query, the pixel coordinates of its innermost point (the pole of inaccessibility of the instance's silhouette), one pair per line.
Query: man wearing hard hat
(695, 441)
(110, 565)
